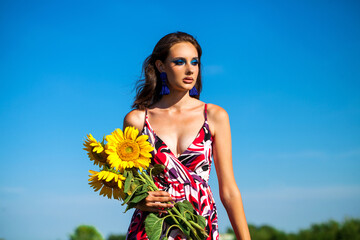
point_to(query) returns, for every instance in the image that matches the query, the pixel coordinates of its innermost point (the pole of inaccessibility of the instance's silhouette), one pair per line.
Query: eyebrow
(182, 58)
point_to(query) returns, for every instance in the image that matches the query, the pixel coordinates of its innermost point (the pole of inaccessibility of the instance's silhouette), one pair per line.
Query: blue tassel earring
(164, 88)
(193, 92)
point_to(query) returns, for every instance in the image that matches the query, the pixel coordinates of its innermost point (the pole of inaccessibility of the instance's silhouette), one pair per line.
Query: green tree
(350, 230)
(323, 231)
(266, 232)
(85, 232)
(330, 230)
(117, 237)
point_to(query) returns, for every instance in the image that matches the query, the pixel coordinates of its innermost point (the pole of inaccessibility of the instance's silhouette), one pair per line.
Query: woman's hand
(157, 201)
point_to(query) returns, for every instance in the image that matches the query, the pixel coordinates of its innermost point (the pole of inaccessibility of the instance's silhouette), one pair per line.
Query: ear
(159, 65)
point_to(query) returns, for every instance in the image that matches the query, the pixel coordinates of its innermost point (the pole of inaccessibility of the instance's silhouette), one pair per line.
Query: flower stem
(151, 181)
(142, 177)
(185, 221)
(173, 212)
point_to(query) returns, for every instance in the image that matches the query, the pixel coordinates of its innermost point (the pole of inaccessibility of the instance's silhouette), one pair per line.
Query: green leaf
(129, 196)
(189, 215)
(187, 211)
(170, 221)
(129, 206)
(138, 197)
(145, 187)
(201, 221)
(180, 206)
(157, 169)
(202, 234)
(133, 186)
(103, 141)
(184, 228)
(183, 207)
(153, 226)
(128, 181)
(188, 206)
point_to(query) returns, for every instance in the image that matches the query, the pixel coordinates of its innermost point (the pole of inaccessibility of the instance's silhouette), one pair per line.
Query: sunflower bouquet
(126, 174)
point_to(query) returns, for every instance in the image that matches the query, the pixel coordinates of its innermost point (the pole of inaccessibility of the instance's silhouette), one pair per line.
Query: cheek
(175, 73)
(171, 77)
(196, 71)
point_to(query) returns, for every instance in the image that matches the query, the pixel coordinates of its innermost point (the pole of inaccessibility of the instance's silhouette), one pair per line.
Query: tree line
(349, 229)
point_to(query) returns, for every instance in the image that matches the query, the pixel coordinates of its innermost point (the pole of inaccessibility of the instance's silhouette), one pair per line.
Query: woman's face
(181, 66)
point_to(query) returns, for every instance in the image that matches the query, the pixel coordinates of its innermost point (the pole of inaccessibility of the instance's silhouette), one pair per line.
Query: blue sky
(287, 72)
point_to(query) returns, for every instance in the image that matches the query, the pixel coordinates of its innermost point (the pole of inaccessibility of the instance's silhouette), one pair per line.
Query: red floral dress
(184, 177)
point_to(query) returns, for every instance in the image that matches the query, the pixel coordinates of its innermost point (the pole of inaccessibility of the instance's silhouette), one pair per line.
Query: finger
(159, 199)
(159, 205)
(159, 194)
(152, 209)
(166, 197)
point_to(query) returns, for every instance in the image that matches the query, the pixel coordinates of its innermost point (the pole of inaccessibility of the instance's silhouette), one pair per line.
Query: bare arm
(229, 192)
(134, 118)
(156, 200)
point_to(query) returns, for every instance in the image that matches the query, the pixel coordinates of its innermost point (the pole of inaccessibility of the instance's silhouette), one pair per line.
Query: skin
(177, 118)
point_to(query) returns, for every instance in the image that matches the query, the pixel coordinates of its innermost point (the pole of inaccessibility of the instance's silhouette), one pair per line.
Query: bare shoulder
(216, 113)
(135, 118)
(218, 118)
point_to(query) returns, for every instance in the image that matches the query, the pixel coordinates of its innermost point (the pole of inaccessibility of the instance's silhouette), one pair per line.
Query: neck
(175, 100)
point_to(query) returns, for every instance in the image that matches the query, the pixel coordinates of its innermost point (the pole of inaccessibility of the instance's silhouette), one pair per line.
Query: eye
(195, 62)
(179, 62)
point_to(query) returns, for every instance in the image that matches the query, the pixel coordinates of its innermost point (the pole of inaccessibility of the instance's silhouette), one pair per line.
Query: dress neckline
(181, 154)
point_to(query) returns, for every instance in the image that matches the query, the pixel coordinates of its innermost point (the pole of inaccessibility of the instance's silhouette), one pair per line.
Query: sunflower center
(128, 150)
(101, 157)
(111, 184)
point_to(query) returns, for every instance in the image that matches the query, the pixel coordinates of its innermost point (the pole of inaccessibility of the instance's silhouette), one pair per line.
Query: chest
(178, 134)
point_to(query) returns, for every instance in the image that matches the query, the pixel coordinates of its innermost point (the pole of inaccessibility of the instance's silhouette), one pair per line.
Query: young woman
(186, 134)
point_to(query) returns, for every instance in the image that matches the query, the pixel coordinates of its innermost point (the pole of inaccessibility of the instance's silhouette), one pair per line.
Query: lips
(188, 80)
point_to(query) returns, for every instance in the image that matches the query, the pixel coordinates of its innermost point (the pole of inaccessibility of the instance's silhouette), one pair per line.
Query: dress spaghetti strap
(205, 111)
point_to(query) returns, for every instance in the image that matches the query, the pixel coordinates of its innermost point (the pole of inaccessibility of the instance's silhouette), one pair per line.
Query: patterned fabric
(185, 177)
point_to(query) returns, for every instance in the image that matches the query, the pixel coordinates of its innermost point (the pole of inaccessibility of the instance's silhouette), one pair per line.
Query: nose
(190, 69)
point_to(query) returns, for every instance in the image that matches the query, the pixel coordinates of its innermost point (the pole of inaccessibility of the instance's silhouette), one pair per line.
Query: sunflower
(110, 183)
(95, 151)
(127, 150)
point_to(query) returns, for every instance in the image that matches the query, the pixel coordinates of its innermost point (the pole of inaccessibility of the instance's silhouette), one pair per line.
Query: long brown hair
(148, 88)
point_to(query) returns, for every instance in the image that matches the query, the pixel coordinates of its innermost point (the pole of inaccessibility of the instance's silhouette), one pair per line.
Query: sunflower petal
(134, 134)
(110, 177)
(110, 138)
(127, 133)
(142, 138)
(116, 194)
(120, 184)
(118, 135)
